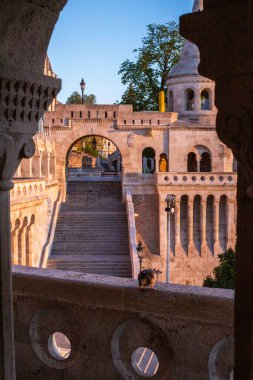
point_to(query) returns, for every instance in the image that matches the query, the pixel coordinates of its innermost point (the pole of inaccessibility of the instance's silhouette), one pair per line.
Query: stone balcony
(182, 179)
(106, 319)
(26, 189)
(204, 179)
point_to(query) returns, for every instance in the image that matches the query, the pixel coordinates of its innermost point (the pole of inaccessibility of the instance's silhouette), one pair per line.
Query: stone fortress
(176, 152)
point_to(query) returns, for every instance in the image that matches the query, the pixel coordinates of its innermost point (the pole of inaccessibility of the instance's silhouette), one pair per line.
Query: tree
(147, 76)
(76, 98)
(224, 274)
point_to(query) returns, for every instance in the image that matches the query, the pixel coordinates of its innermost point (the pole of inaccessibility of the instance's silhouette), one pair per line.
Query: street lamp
(170, 209)
(94, 144)
(140, 248)
(82, 84)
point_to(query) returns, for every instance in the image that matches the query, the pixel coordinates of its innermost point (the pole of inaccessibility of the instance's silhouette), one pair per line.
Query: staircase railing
(132, 234)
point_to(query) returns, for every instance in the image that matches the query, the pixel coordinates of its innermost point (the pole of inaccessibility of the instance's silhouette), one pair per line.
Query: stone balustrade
(105, 319)
(25, 189)
(132, 235)
(204, 179)
(185, 179)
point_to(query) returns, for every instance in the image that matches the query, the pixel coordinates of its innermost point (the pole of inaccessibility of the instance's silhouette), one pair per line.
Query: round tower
(190, 94)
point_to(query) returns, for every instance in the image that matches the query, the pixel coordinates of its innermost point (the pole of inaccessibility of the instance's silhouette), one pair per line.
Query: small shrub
(224, 274)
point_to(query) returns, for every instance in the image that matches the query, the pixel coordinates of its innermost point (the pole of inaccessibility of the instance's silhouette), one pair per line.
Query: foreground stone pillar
(224, 35)
(25, 94)
(7, 353)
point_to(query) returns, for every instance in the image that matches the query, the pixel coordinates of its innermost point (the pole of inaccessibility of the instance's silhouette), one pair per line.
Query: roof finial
(197, 6)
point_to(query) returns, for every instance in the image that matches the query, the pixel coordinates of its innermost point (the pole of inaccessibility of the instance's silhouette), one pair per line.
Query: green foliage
(147, 76)
(76, 98)
(89, 150)
(224, 274)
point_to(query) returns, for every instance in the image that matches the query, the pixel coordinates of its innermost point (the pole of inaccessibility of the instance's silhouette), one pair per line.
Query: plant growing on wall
(224, 274)
(147, 75)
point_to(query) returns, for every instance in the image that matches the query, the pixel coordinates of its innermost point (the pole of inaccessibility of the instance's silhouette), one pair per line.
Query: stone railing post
(224, 34)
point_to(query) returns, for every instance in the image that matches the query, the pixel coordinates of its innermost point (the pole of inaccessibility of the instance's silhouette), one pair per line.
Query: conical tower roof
(190, 58)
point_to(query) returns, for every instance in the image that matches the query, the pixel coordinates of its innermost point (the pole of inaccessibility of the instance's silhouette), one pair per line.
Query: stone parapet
(106, 319)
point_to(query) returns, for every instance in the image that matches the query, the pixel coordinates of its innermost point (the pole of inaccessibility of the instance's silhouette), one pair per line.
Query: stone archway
(69, 138)
(95, 155)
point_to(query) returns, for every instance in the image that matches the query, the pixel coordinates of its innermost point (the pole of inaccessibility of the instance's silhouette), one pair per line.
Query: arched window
(205, 100)
(163, 163)
(205, 162)
(171, 102)
(148, 160)
(192, 162)
(190, 100)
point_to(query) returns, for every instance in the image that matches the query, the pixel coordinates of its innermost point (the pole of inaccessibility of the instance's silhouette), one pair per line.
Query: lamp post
(109, 144)
(140, 248)
(94, 144)
(82, 84)
(170, 209)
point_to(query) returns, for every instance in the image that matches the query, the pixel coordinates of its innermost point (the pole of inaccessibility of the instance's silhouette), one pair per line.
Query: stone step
(91, 235)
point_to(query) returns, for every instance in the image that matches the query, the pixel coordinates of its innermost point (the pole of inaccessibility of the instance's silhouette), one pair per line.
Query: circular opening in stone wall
(59, 346)
(145, 362)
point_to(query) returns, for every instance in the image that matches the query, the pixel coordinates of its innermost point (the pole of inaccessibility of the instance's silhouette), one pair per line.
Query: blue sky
(93, 38)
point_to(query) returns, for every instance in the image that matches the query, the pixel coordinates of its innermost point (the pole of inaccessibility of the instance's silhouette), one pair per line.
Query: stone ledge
(195, 303)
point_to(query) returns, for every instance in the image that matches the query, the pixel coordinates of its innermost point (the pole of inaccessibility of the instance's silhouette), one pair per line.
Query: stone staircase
(92, 232)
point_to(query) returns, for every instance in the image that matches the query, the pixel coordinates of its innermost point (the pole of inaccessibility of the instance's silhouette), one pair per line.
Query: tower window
(205, 100)
(190, 96)
(192, 162)
(205, 162)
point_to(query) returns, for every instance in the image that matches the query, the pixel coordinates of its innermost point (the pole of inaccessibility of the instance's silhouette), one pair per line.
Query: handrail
(132, 234)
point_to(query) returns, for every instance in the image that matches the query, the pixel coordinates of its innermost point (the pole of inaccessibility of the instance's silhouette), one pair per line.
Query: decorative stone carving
(12, 150)
(23, 102)
(130, 140)
(234, 128)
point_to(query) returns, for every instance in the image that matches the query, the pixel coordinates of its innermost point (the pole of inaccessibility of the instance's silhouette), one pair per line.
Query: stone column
(25, 94)
(163, 230)
(216, 223)
(230, 225)
(190, 214)
(22, 243)
(204, 248)
(7, 364)
(178, 245)
(29, 246)
(15, 242)
(198, 158)
(233, 21)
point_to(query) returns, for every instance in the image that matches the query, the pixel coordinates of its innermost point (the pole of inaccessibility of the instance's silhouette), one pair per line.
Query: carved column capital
(235, 129)
(12, 150)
